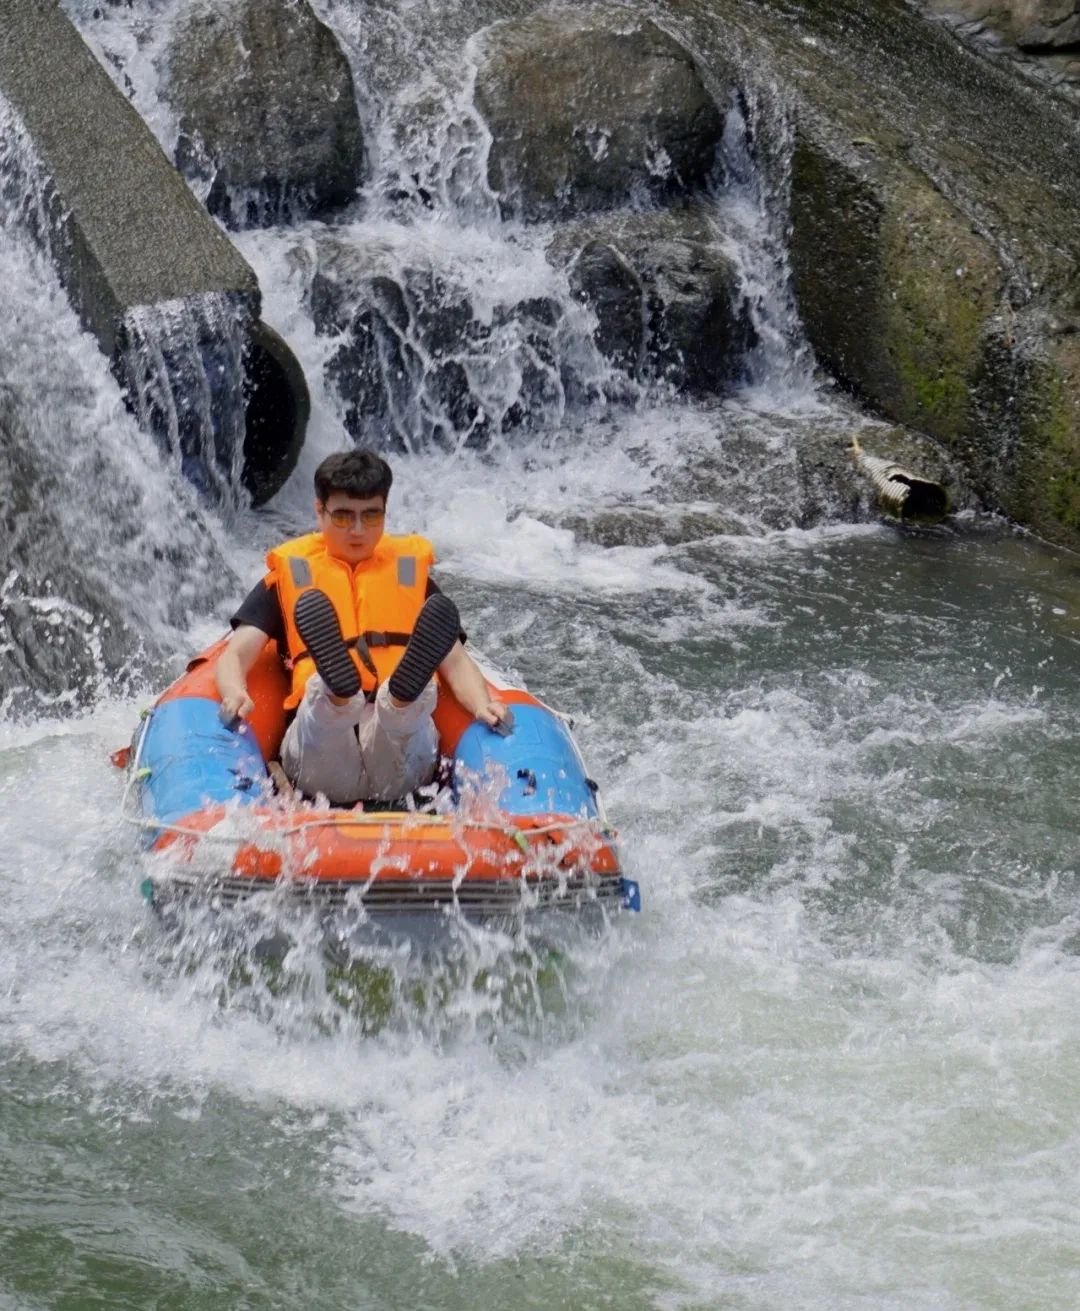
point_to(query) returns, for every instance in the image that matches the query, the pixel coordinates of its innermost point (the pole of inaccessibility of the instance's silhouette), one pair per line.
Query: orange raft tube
(518, 827)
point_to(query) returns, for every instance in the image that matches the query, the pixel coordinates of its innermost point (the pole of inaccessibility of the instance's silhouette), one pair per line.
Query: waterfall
(183, 365)
(752, 209)
(28, 203)
(106, 552)
(831, 1064)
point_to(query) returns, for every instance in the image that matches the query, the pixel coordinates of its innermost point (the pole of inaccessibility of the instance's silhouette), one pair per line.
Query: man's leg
(320, 752)
(397, 740)
(398, 744)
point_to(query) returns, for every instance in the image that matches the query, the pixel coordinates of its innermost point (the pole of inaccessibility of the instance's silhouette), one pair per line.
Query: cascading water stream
(184, 368)
(753, 204)
(106, 555)
(834, 1062)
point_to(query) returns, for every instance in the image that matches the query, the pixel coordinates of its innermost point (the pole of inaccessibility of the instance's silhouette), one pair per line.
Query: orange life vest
(377, 601)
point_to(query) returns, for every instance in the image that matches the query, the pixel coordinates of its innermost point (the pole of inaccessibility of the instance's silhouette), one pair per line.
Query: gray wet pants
(362, 750)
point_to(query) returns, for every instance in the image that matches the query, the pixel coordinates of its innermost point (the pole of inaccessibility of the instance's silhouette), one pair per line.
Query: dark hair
(358, 473)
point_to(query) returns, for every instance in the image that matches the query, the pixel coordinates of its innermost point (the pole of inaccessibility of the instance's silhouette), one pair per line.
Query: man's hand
(233, 666)
(235, 705)
(472, 691)
(493, 712)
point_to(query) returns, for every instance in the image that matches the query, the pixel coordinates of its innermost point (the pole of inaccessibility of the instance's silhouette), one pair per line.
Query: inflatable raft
(517, 825)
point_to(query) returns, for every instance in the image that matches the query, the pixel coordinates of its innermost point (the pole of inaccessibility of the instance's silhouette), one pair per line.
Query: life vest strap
(385, 639)
(362, 642)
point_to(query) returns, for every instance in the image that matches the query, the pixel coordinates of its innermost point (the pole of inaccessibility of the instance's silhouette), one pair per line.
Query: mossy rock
(896, 290)
(1044, 456)
(935, 230)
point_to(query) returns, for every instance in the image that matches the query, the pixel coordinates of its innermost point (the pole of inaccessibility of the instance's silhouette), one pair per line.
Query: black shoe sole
(317, 623)
(436, 631)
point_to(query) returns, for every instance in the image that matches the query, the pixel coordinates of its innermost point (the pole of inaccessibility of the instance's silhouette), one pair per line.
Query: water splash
(831, 1065)
(29, 204)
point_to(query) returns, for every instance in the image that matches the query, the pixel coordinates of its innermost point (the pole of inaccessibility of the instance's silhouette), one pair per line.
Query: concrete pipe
(145, 265)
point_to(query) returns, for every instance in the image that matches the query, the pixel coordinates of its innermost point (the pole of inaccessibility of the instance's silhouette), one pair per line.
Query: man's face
(352, 527)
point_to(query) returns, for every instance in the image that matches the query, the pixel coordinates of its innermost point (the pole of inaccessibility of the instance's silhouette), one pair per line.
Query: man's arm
(465, 680)
(233, 666)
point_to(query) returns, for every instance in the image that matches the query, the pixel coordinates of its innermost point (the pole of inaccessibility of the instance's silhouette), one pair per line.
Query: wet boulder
(834, 486)
(590, 109)
(417, 361)
(666, 296)
(897, 292)
(603, 278)
(937, 326)
(267, 112)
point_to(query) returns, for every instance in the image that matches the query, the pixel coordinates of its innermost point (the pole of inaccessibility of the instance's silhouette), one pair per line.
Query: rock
(589, 109)
(753, 474)
(666, 297)
(1032, 398)
(603, 278)
(645, 525)
(418, 364)
(992, 12)
(832, 488)
(1037, 41)
(267, 111)
(941, 328)
(1046, 24)
(934, 233)
(896, 291)
(1030, 24)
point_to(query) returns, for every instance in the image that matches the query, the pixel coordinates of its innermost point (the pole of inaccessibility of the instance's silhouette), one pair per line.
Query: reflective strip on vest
(301, 571)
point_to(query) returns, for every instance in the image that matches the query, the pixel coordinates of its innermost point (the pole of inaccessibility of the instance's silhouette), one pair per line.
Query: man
(365, 630)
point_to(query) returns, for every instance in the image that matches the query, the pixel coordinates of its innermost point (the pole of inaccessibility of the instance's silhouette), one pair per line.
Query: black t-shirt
(262, 610)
